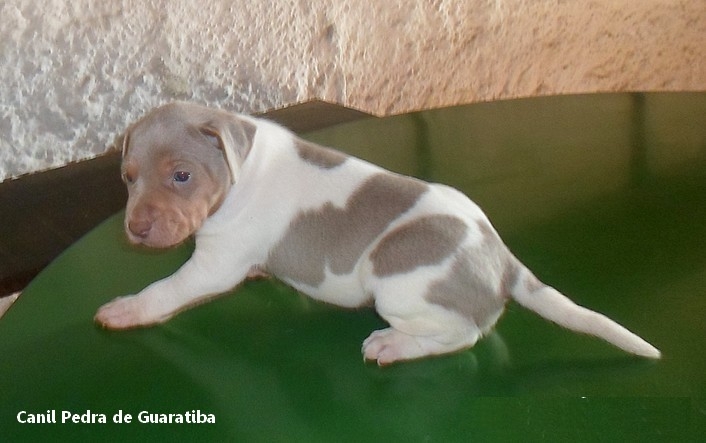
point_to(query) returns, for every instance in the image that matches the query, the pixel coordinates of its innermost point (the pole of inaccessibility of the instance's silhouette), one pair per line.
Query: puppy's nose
(139, 228)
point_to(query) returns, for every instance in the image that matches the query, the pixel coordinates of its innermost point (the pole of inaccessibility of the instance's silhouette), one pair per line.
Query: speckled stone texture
(74, 72)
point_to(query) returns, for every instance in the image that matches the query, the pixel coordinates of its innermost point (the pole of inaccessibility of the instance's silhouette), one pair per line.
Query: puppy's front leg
(199, 279)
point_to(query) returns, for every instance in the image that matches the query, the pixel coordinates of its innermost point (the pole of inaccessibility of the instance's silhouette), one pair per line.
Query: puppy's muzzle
(139, 229)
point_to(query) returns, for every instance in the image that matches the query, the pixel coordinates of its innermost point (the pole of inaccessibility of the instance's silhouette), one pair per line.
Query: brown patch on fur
(318, 155)
(421, 242)
(336, 237)
(468, 292)
(473, 287)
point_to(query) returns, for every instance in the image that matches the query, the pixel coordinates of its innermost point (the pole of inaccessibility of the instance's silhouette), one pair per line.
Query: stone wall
(75, 72)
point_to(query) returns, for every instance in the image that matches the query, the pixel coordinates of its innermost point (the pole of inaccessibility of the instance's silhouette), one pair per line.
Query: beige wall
(74, 72)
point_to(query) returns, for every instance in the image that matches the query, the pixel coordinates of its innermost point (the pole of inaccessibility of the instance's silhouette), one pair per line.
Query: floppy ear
(120, 143)
(234, 136)
(124, 140)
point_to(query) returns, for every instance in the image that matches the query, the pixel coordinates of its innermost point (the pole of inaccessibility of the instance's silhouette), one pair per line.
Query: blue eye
(182, 176)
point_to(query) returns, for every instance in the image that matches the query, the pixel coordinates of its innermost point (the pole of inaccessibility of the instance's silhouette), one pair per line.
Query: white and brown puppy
(335, 227)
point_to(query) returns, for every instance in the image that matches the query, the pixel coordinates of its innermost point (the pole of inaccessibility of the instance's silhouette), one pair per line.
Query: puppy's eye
(128, 178)
(182, 176)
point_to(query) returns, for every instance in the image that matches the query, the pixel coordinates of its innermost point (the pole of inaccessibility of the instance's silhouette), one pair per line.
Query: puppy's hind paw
(387, 346)
(390, 345)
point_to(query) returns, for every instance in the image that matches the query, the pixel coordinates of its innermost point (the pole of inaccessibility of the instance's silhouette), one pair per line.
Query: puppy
(259, 199)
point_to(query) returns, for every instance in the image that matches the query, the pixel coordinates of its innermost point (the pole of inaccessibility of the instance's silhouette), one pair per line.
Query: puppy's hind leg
(417, 329)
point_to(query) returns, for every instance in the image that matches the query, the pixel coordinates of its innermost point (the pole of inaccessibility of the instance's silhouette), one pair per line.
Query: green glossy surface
(604, 197)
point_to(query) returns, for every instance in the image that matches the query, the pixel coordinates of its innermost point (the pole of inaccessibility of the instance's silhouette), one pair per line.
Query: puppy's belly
(342, 290)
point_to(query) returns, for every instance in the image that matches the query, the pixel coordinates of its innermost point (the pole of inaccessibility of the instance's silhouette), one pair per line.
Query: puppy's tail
(546, 301)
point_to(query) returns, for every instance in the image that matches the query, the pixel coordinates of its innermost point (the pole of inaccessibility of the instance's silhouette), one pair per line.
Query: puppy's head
(179, 161)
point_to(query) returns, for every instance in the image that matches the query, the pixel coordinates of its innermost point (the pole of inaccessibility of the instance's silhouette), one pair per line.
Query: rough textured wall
(74, 72)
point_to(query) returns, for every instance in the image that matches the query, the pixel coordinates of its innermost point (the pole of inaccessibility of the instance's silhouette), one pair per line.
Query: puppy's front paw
(121, 313)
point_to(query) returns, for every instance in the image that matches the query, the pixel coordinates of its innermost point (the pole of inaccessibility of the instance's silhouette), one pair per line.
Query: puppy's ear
(125, 143)
(234, 136)
(120, 143)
